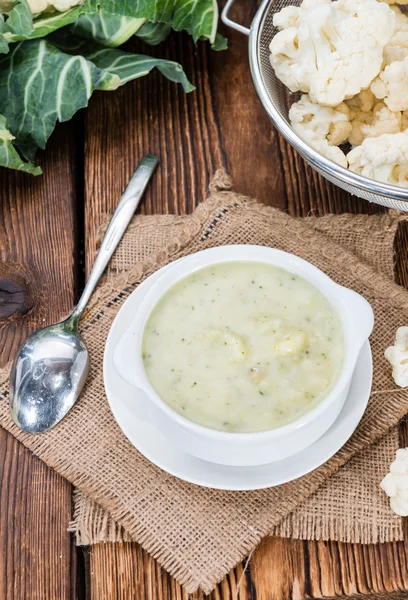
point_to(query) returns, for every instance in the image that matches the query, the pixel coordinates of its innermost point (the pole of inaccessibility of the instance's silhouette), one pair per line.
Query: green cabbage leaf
(51, 63)
(122, 66)
(44, 81)
(114, 30)
(198, 17)
(9, 157)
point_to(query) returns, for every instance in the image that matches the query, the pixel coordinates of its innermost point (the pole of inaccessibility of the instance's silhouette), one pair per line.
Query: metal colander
(276, 100)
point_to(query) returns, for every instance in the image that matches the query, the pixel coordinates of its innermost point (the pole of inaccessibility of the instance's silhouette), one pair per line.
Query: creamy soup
(243, 346)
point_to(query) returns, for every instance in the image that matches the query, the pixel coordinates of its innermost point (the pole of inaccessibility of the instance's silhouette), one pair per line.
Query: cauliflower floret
(370, 118)
(392, 85)
(234, 345)
(322, 127)
(397, 356)
(333, 152)
(289, 15)
(285, 50)
(384, 158)
(315, 122)
(404, 120)
(364, 101)
(397, 47)
(395, 483)
(258, 373)
(39, 6)
(292, 343)
(368, 124)
(334, 50)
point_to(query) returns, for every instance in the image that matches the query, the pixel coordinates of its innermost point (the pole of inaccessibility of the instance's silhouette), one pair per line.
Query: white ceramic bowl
(246, 449)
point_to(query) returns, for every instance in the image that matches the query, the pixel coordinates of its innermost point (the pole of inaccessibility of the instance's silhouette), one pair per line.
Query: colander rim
(314, 158)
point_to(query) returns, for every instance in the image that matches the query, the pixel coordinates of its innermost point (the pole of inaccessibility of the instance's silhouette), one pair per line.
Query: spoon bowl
(48, 376)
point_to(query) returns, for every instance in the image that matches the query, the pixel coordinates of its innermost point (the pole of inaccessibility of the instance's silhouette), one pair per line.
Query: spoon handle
(117, 227)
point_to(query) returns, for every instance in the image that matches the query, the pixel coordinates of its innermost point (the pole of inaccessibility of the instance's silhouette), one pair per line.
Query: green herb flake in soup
(243, 347)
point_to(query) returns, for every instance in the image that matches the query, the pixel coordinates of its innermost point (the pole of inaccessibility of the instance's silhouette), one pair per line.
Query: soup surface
(243, 347)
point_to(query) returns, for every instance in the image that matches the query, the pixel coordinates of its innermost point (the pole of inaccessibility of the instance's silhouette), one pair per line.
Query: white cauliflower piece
(232, 342)
(395, 483)
(334, 50)
(392, 85)
(258, 374)
(292, 343)
(370, 118)
(335, 153)
(364, 101)
(384, 158)
(314, 122)
(397, 356)
(402, 2)
(289, 15)
(322, 127)
(373, 123)
(397, 47)
(40, 6)
(285, 57)
(307, 4)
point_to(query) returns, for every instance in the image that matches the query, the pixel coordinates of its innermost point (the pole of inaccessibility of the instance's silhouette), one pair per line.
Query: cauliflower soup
(243, 347)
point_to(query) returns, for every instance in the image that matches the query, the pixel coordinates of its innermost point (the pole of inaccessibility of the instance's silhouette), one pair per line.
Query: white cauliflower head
(285, 51)
(395, 483)
(392, 85)
(40, 6)
(373, 123)
(322, 127)
(315, 122)
(364, 101)
(289, 15)
(334, 153)
(397, 356)
(384, 158)
(332, 50)
(397, 47)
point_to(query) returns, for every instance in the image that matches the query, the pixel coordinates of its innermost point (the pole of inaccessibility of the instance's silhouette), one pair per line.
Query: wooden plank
(221, 123)
(151, 115)
(37, 229)
(299, 569)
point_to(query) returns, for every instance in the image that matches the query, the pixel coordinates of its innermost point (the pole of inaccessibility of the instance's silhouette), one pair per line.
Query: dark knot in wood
(17, 290)
(12, 298)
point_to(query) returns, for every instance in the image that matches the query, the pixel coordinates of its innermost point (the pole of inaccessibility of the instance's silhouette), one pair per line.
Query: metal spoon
(51, 368)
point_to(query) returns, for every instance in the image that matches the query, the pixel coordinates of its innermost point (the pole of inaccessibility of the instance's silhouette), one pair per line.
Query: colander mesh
(278, 92)
(282, 99)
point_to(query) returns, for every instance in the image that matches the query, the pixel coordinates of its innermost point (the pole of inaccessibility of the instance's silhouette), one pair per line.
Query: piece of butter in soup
(243, 347)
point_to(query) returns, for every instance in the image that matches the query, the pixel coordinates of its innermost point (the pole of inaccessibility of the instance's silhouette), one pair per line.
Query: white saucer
(155, 447)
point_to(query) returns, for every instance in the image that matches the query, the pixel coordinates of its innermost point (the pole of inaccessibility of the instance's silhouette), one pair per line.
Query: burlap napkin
(199, 534)
(350, 506)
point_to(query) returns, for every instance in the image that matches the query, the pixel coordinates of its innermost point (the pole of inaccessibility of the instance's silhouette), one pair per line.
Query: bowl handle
(127, 361)
(362, 316)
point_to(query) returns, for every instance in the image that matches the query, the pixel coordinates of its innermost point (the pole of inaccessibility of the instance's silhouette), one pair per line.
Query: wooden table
(48, 229)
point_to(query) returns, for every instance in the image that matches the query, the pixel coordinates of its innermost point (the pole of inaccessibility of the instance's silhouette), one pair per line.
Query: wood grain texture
(153, 116)
(37, 217)
(221, 124)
